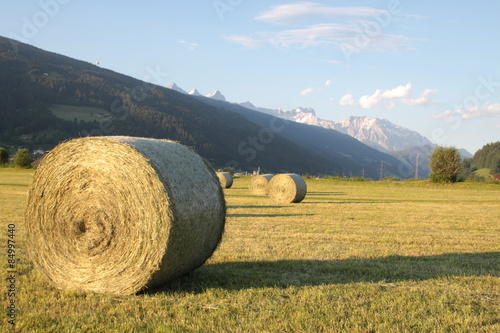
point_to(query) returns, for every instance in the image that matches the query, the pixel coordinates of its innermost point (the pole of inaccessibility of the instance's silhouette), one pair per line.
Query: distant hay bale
(225, 179)
(121, 214)
(287, 188)
(259, 185)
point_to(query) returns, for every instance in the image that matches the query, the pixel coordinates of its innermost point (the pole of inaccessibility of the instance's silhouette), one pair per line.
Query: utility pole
(416, 165)
(382, 170)
(363, 173)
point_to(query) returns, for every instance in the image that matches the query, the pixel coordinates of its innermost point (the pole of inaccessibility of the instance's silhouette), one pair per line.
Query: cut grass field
(351, 257)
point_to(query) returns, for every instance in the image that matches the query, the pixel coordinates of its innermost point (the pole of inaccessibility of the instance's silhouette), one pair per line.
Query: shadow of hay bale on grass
(285, 273)
(120, 214)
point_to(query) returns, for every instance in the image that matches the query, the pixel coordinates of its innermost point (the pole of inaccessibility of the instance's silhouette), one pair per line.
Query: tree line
(446, 165)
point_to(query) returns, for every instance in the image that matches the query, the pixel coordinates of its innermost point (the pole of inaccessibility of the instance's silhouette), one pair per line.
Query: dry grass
(351, 257)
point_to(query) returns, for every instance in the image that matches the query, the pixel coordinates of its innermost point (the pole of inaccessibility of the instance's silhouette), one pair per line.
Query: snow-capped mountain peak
(195, 92)
(248, 105)
(175, 87)
(217, 95)
(380, 134)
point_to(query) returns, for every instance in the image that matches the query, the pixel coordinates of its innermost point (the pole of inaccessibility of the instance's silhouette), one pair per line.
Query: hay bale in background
(259, 185)
(120, 214)
(225, 179)
(287, 188)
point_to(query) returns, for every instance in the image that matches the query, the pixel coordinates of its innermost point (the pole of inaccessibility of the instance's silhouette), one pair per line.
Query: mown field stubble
(351, 257)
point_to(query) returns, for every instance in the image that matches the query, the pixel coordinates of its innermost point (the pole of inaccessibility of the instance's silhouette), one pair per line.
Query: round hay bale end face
(225, 179)
(259, 185)
(287, 188)
(120, 214)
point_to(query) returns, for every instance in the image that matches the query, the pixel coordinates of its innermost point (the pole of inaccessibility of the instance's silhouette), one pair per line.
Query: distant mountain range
(46, 98)
(380, 134)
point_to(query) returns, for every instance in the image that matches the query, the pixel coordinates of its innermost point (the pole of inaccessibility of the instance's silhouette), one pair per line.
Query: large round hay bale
(287, 188)
(225, 179)
(120, 214)
(259, 185)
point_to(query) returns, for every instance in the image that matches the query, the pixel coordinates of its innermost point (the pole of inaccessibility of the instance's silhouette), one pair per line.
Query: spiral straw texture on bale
(225, 179)
(120, 214)
(259, 185)
(287, 188)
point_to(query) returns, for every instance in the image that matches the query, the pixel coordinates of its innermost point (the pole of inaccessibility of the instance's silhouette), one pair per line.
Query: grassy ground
(352, 257)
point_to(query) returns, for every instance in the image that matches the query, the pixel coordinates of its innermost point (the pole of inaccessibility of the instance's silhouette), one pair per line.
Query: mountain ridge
(33, 82)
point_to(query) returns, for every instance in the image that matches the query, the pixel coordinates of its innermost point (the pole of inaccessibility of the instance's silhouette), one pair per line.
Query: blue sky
(431, 66)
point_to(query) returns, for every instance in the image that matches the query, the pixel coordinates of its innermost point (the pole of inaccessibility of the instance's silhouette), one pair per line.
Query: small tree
(4, 156)
(22, 158)
(444, 163)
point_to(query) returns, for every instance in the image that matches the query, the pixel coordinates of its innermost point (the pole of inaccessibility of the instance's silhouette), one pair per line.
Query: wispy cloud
(187, 44)
(248, 42)
(402, 93)
(328, 83)
(315, 29)
(293, 12)
(471, 112)
(306, 92)
(334, 62)
(327, 34)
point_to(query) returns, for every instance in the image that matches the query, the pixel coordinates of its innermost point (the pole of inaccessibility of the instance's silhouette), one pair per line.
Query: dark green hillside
(33, 81)
(46, 98)
(486, 158)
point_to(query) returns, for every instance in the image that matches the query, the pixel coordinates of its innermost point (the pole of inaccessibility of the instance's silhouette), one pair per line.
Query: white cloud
(369, 101)
(287, 13)
(189, 45)
(328, 83)
(471, 112)
(401, 94)
(347, 100)
(400, 91)
(422, 100)
(306, 92)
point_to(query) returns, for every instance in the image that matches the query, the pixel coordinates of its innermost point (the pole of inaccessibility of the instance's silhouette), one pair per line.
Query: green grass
(484, 173)
(85, 113)
(352, 257)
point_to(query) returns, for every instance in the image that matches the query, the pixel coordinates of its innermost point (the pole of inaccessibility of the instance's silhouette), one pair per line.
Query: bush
(4, 156)
(444, 164)
(22, 158)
